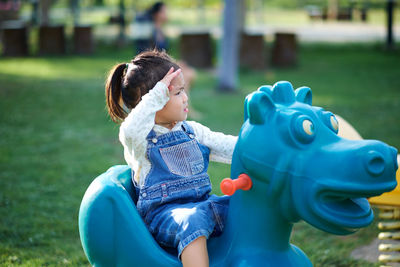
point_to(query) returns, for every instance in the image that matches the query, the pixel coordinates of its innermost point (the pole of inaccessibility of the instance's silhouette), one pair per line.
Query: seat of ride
(109, 208)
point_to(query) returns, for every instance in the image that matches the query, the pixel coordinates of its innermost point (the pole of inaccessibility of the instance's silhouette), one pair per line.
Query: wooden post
(284, 52)
(252, 51)
(15, 39)
(83, 39)
(51, 40)
(196, 49)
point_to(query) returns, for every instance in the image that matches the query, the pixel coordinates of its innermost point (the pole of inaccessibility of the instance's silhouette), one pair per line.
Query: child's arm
(139, 122)
(221, 145)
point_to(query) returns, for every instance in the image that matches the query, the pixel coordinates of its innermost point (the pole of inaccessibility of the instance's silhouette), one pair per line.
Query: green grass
(55, 137)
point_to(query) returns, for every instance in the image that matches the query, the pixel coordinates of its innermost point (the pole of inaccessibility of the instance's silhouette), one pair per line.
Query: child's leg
(195, 254)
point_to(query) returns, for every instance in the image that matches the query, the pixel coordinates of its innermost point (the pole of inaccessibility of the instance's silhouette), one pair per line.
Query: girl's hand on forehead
(171, 74)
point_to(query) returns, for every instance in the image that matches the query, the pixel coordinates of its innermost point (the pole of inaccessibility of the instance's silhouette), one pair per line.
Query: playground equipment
(388, 205)
(292, 165)
(389, 224)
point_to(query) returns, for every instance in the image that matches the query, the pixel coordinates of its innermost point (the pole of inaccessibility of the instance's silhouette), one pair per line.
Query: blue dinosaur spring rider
(292, 166)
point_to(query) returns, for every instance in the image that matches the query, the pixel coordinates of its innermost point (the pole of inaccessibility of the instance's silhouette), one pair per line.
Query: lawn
(55, 138)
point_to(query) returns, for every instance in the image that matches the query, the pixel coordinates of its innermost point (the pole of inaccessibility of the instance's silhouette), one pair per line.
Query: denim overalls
(174, 200)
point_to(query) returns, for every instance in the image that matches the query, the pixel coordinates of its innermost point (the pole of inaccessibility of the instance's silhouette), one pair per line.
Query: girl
(169, 155)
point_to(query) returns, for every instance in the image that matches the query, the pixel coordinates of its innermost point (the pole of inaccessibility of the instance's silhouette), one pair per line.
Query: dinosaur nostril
(375, 163)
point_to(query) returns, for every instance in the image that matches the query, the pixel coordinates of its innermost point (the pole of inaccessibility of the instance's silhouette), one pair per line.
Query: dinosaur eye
(334, 123)
(308, 127)
(304, 129)
(331, 121)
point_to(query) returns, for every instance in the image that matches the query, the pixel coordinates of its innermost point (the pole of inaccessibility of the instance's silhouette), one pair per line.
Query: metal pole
(35, 12)
(74, 4)
(121, 21)
(389, 11)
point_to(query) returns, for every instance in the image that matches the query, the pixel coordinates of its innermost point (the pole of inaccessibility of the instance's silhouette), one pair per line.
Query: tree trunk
(333, 6)
(121, 35)
(74, 5)
(241, 14)
(44, 6)
(229, 47)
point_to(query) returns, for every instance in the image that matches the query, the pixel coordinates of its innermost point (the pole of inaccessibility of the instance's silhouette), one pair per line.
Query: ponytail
(125, 86)
(113, 92)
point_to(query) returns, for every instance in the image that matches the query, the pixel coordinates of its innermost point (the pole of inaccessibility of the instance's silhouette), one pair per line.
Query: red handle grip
(229, 186)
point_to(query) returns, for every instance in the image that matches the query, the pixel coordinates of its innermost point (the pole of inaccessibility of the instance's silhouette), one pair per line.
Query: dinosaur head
(292, 149)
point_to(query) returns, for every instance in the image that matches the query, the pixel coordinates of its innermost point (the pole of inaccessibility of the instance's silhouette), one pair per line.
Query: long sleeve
(139, 122)
(221, 145)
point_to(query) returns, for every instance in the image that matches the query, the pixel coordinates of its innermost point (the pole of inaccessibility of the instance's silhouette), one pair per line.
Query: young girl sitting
(168, 155)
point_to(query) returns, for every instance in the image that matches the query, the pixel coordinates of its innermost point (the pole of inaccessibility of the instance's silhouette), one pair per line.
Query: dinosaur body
(300, 169)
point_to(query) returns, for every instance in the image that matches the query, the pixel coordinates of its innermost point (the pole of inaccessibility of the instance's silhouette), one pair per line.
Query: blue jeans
(174, 201)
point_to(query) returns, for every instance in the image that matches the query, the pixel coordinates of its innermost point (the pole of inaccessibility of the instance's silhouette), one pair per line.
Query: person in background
(158, 14)
(147, 29)
(150, 25)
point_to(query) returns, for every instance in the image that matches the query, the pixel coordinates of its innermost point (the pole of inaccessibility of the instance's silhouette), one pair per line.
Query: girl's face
(176, 108)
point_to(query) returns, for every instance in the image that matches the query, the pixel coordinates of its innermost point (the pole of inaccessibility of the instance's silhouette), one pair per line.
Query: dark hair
(128, 82)
(155, 8)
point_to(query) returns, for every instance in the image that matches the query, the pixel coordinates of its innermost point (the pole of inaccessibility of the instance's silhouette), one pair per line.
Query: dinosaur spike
(304, 95)
(258, 105)
(282, 92)
(265, 88)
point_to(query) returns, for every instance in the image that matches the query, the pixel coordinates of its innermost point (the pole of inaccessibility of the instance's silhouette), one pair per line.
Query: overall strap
(151, 135)
(187, 128)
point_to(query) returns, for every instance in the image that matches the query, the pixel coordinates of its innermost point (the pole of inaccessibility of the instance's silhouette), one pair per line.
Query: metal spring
(390, 224)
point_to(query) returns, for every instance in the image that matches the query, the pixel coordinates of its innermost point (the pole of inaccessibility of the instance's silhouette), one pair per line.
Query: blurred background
(56, 137)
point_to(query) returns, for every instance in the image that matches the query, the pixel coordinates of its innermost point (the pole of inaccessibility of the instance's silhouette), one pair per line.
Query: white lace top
(141, 120)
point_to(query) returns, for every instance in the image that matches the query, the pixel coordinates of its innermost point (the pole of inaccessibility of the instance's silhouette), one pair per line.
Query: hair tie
(126, 68)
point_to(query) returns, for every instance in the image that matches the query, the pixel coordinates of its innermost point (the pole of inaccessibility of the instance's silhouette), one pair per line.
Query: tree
(74, 6)
(121, 22)
(44, 6)
(229, 46)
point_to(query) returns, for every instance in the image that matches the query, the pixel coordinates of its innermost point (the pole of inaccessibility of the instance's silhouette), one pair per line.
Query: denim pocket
(184, 159)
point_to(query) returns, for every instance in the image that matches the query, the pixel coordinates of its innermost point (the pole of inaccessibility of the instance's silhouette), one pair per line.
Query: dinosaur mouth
(346, 212)
(348, 209)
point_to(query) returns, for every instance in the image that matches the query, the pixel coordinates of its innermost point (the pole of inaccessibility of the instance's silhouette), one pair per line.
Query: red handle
(229, 186)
